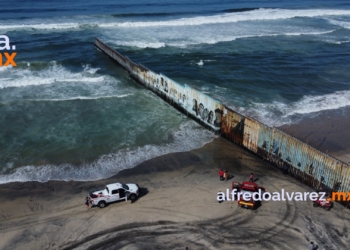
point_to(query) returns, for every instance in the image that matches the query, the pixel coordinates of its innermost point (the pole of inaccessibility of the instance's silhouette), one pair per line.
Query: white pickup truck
(114, 192)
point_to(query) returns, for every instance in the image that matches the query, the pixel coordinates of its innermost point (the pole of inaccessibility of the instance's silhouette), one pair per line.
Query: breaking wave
(279, 113)
(343, 24)
(53, 73)
(189, 136)
(232, 17)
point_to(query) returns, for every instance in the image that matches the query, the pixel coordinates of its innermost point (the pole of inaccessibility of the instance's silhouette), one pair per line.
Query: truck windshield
(107, 190)
(126, 187)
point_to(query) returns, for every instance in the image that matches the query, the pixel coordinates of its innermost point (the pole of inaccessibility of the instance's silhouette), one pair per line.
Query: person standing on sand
(221, 174)
(251, 177)
(312, 246)
(226, 175)
(87, 202)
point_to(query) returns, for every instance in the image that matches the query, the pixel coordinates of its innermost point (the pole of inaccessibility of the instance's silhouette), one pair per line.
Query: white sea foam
(54, 73)
(310, 104)
(279, 113)
(207, 38)
(182, 37)
(190, 136)
(254, 15)
(40, 26)
(87, 68)
(299, 33)
(344, 24)
(5, 68)
(138, 44)
(307, 33)
(79, 98)
(83, 79)
(58, 83)
(336, 42)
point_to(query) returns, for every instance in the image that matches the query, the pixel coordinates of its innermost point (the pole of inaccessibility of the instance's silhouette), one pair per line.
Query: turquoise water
(68, 112)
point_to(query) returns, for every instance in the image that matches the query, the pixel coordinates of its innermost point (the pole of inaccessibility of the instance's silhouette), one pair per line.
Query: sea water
(67, 112)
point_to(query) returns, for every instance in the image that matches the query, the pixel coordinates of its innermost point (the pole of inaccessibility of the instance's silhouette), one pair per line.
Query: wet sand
(177, 209)
(328, 132)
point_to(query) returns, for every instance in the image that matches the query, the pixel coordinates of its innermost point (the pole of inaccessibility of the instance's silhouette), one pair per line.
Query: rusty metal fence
(310, 166)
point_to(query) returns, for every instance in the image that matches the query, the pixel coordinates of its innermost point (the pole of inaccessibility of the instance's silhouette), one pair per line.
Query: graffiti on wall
(204, 108)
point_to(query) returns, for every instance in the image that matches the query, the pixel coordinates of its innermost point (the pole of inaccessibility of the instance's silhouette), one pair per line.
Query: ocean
(67, 112)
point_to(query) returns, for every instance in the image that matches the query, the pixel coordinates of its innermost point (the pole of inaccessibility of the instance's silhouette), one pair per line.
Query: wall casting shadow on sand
(327, 132)
(178, 209)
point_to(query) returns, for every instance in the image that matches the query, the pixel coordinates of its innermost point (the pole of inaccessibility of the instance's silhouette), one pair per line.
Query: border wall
(294, 157)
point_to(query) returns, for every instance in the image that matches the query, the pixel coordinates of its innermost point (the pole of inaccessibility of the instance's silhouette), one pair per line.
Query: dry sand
(177, 209)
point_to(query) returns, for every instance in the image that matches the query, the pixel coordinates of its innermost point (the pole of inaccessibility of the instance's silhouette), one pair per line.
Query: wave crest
(189, 136)
(53, 73)
(279, 113)
(234, 16)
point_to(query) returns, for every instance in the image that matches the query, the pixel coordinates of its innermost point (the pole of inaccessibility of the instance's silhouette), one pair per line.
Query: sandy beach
(326, 132)
(177, 209)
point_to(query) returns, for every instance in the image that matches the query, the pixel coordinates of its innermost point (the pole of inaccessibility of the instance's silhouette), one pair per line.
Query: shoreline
(326, 132)
(178, 202)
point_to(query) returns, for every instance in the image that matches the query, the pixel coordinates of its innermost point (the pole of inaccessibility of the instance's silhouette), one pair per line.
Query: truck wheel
(327, 208)
(315, 204)
(132, 197)
(102, 204)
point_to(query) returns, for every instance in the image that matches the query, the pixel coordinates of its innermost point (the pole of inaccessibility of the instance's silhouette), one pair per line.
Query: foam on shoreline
(326, 132)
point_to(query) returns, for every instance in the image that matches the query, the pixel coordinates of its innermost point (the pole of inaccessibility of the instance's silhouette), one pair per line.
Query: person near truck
(251, 177)
(87, 202)
(312, 246)
(221, 174)
(226, 175)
